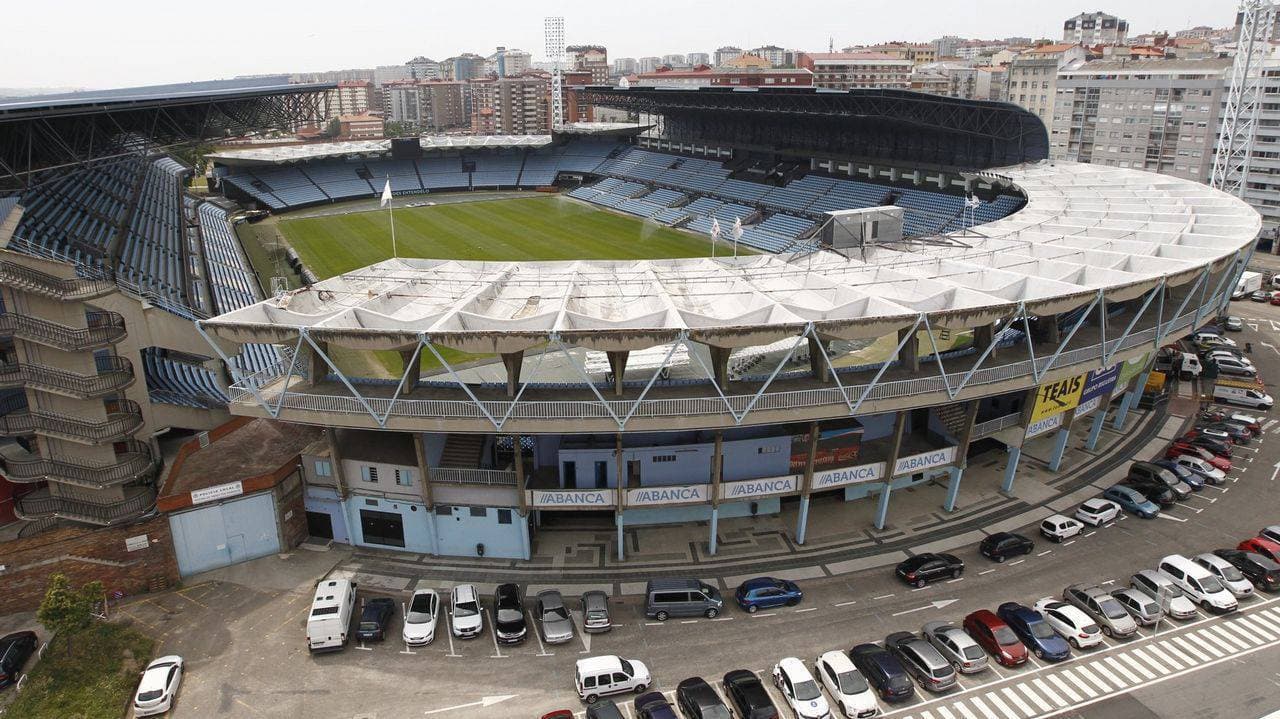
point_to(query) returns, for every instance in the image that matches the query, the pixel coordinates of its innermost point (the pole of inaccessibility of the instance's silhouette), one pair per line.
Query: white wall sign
(571, 498)
(924, 460)
(216, 492)
(133, 544)
(759, 487)
(1088, 406)
(1047, 424)
(829, 478)
(669, 495)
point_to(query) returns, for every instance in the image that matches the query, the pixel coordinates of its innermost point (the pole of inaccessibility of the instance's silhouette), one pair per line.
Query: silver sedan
(553, 617)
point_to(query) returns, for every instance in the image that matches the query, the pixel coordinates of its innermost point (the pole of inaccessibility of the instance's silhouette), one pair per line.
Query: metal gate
(223, 534)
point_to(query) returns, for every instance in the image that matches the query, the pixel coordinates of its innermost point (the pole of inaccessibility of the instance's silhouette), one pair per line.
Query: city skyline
(276, 40)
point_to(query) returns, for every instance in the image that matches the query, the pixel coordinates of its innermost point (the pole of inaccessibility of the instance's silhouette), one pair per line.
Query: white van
(1239, 395)
(598, 676)
(330, 615)
(1198, 584)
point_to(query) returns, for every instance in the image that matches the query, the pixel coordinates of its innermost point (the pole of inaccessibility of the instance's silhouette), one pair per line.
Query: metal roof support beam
(306, 335)
(712, 379)
(990, 348)
(808, 329)
(1067, 340)
(1031, 350)
(1158, 290)
(844, 393)
(1217, 290)
(883, 367)
(236, 374)
(937, 358)
(284, 389)
(586, 379)
(426, 342)
(515, 401)
(411, 367)
(1160, 329)
(684, 335)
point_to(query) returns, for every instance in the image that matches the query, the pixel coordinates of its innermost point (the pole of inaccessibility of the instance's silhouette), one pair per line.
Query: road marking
(806, 609)
(1234, 630)
(1028, 689)
(1047, 551)
(939, 604)
(766, 614)
(1020, 561)
(1157, 653)
(542, 648)
(883, 596)
(1056, 680)
(1113, 684)
(1017, 701)
(1197, 510)
(485, 702)
(1164, 515)
(497, 652)
(1090, 534)
(1191, 650)
(981, 707)
(1136, 665)
(953, 581)
(1068, 544)
(998, 703)
(1221, 634)
(689, 621)
(986, 571)
(448, 631)
(845, 604)
(1216, 648)
(722, 619)
(964, 710)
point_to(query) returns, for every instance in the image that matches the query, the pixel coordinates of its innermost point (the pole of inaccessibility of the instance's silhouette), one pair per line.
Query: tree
(66, 611)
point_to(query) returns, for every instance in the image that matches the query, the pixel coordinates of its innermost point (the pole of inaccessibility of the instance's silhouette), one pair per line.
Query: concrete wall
(682, 463)
(449, 530)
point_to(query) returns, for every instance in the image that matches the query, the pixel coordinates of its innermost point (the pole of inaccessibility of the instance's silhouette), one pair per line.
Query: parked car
(767, 592)
(595, 677)
(595, 612)
(1272, 533)
(1198, 584)
(420, 620)
(1131, 500)
(1097, 512)
(1231, 578)
(1219, 447)
(466, 619)
(1057, 528)
(1157, 494)
(1234, 324)
(883, 671)
(1184, 475)
(1179, 448)
(697, 700)
(1144, 610)
(158, 687)
(749, 697)
(15, 650)
(1105, 610)
(553, 617)
(654, 705)
(1261, 296)
(666, 598)
(1224, 414)
(1034, 631)
(993, 635)
(1260, 545)
(374, 618)
(1235, 367)
(1070, 622)
(959, 648)
(560, 714)
(922, 661)
(1263, 572)
(800, 690)
(1205, 339)
(509, 624)
(1173, 602)
(928, 567)
(1200, 468)
(1152, 474)
(603, 709)
(1002, 545)
(1237, 433)
(848, 688)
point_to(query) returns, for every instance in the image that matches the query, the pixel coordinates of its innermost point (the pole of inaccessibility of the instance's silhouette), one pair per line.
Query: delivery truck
(1248, 284)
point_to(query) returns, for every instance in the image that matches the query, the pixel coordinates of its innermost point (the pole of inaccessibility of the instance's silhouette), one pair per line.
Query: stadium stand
(231, 280)
(82, 214)
(174, 380)
(152, 257)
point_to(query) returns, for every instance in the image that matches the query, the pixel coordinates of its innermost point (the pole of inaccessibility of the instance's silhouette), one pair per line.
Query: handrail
(467, 475)
(134, 461)
(124, 417)
(77, 288)
(41, 504)
(991, 426)
(114, 373)
(103, 328)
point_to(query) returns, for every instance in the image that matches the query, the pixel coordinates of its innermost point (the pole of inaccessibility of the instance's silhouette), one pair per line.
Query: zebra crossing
(1088, 677)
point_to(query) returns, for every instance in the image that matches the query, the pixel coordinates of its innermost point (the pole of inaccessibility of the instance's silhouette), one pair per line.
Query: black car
(698, 700)
(15, 649)
(1157, 493)
(1217, 446)
(1152, 474)
(1002, 545)
(374, 618)
(883, 671)
(1237, 432)
(654, 706)
(748, 695)
(1264, 573)
(928, 567)
(508, 614)
(1184, 474)
(603, 709)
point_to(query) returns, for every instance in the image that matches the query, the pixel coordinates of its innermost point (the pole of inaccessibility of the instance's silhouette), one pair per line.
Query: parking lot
(242, 633)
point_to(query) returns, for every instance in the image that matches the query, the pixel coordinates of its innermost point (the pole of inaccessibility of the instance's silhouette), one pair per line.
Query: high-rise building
(726, 77)
(350, 97)
(725, 54)
(953, 79)
(697, 58)
(1155, 115)
(624, 65)
(1095, 28)
(422, 68)
(674, 60)
(917, 53)
(462, 67)
(946, 45)
(511, 105)
(1033, 76)
(508, 62)
(847, 70)
(384, 74)
(593, 59)
(425, 106)
(648, 64)
(776, 56)
(1262, 188)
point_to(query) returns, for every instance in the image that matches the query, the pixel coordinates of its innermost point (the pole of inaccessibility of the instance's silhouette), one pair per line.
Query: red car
(1265, 547)
(1178, 448)
(996, 637)
(1275, 299)
(1215, 415)
(559, 714)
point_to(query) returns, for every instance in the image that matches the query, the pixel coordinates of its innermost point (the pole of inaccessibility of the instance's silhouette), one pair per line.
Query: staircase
(462, 451)
(952, 417)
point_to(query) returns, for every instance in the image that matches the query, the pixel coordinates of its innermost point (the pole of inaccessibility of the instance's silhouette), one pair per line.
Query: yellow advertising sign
(1057, 398)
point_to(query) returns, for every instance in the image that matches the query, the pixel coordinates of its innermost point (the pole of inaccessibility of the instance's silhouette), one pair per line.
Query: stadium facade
(845, 362)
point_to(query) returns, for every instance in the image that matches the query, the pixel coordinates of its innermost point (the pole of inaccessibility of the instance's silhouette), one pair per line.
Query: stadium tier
(173, 380)
(231, 280)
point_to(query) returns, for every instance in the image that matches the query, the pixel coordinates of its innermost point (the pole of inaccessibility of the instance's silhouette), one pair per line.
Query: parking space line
(1070, 693)
(758, 615)
(845, 604)
(493, 634)
(1017, 701)
(449, 633)
(542, 649)
(1020, 561)
(806, 609)
(986, 571)
(1047, 551)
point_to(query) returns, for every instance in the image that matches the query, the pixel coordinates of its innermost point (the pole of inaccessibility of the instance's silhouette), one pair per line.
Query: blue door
(223, 534)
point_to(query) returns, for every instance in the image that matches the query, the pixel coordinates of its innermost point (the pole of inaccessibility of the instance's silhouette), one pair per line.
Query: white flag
(972, 202)
(737, 228)
(386, 193)
(715, 228)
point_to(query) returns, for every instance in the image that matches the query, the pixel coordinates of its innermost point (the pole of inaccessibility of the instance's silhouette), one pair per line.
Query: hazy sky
(96, 44)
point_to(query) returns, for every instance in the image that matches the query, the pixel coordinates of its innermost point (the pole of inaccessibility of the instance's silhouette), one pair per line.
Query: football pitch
(528, 228)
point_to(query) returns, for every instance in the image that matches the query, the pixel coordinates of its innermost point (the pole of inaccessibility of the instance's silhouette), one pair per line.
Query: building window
(404, 477)
(324, 468)
(444, 510)
(504, 516)
(480, 512)
(663, 458)
(369, 473)
(767, 450)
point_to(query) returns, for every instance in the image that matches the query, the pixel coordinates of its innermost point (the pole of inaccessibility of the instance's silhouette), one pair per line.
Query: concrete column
(618, 365)
(1011, 469)
(717, 462)
(622, 549)
(895, 443)
(316, 367)
(525, 548)
(1130, 400)
(519, 462)
(909, 355)
(817, 360)
(803, 521)
(882, 508)
(413, 365)
(1059, 448)
(1099, 419)
(424, 483)
(966, 435)
(434, 546)
(720, 364)
(953, 488)
(335, 454)
(715, 526)
(1047, 328)
(513, 361)
(983, 336)
(806, 481)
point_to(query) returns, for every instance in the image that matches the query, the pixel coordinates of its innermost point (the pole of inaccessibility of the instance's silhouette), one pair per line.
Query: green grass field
(532, 228)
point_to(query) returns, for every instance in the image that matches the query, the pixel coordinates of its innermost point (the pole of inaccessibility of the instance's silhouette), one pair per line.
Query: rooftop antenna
(553, 30)
(831, 44)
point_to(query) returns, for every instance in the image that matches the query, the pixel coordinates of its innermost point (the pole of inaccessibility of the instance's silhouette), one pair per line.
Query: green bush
(95, 682)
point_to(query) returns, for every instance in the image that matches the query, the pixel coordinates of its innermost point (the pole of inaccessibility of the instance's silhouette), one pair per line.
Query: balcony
(42, 505)
(27, 279)
(104, 329)
(124, 417)
(114, 374)
(133, 461)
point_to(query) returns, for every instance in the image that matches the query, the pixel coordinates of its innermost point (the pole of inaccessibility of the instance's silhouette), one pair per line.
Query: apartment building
(429, 106)
(917, 53)
(511, 105)
(593, 59)
(1033, 75)
(350, 97)
(1095, 28)
(848, 70)
(725, 77)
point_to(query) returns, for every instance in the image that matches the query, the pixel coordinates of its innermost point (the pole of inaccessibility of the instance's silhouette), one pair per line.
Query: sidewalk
(841, 535)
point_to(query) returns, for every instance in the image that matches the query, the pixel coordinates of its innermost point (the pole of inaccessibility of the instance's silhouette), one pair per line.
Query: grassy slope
(94, 682)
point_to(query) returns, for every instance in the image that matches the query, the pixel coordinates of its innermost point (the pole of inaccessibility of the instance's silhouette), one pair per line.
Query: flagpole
(391, 215)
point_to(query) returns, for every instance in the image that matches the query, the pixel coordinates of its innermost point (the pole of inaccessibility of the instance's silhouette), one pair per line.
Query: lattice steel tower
(1244, 98)
(554, 31)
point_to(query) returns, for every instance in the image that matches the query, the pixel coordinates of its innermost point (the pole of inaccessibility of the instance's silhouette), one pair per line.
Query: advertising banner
(837, 447)
(751, 488)
(1132, 369)
(1036, 429)
(924, 460)
(1057, 397)
(832, 478)
(675, 494)
(571, 498)
(1099, 382)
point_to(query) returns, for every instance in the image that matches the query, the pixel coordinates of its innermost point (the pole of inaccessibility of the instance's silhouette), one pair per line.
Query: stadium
(897, 283)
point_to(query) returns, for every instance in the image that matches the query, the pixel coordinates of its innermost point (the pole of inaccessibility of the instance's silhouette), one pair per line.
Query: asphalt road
(246, 655)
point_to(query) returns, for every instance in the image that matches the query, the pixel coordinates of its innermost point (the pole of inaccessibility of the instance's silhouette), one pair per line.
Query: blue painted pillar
(1059, 449)
(715, 527)
(953, 488)
(524, 538)
(433, 540)
(803, 522)
(622, 547)
(1095, 431)
(882, 509)
(1015, 453)
(1123, 412)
